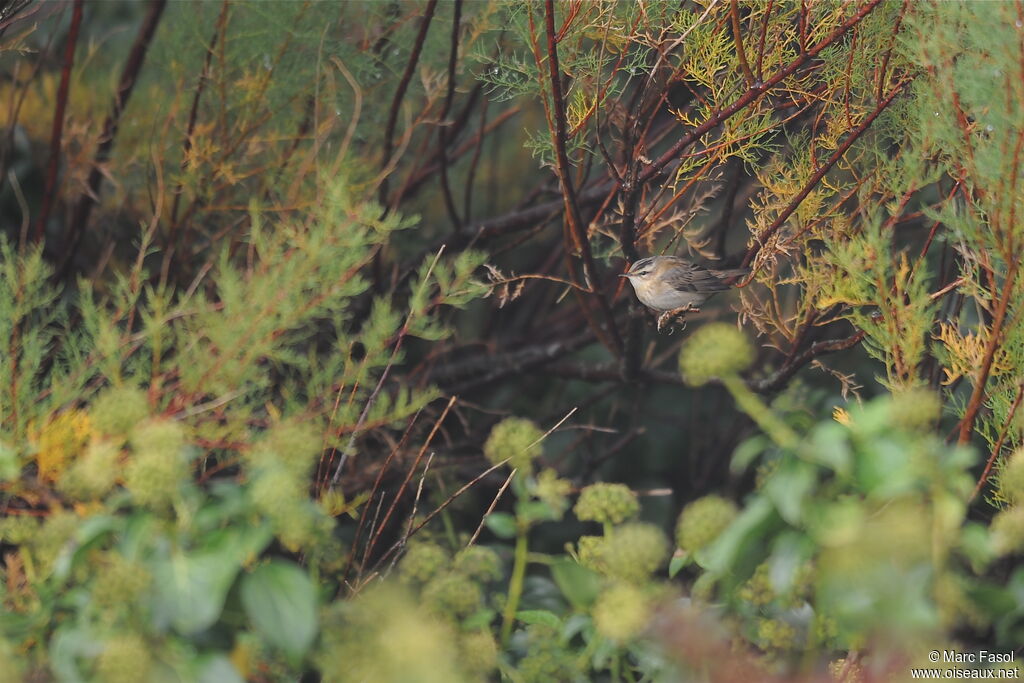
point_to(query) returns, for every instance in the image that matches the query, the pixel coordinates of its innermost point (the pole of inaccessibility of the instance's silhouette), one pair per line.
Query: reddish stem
(57, 131)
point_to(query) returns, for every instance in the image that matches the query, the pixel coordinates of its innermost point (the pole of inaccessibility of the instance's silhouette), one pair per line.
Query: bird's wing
(689, 277)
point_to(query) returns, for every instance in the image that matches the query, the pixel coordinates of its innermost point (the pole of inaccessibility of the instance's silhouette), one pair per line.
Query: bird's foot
(669, 315)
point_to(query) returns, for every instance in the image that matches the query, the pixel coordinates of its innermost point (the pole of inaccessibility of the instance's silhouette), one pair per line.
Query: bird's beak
(623, 274)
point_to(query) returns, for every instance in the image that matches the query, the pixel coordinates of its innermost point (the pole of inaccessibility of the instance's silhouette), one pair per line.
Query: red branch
(57, 131)
(974, 404)
(754, 92)
(819, 174)
(999, 442)
(572, 210)
(125, 85)
(403, 85)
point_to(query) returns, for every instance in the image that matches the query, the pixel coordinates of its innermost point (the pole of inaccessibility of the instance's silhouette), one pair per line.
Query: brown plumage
(671, 285)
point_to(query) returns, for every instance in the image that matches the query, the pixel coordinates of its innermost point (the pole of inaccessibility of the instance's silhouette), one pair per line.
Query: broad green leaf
(578, 584)
(190, 588)
(678, 561)
(90, 532)
(789, 486)
(217, 669)
(281, 601)
(750, 528)
(501, 524)
(539, 616)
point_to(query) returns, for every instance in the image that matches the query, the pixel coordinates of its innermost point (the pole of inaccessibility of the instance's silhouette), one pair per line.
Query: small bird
(671, 285)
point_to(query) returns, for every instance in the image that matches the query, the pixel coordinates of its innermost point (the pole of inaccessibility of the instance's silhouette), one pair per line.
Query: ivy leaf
(281, 602)
(501, 524)
(578, 584)
(678, 561)
(539, 616)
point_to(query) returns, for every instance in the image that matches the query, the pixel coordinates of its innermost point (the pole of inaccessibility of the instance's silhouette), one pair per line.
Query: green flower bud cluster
(547, 659)
(1011, 478)
(94, 474)
(621, 612)
(18, 529)
(715, 350)
(702, 521)
(479, 563)
(1007, 531)
(848, 672)
(453, 594)
(117, 410)
(553, 491)
(607, 504)
(478, 653)
(157, 466)
(803, 584)
(915, 410)
(293, 444)
(758, 589)
(1007, 527)
(632, 552)
(825, 630)
(12, 670)
(423, 561)
(450, 587)
(775, 635)
(119, 581)
(515, 439)
(125, 658)
(280, 495)
(384, 635)
(51, 538)
(590, 551)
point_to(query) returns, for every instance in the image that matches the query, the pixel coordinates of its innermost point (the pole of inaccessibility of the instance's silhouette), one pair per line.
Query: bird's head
(647, 269)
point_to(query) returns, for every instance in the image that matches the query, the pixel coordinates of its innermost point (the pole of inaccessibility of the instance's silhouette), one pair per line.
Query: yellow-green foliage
(516, 440)
(701, 522)
(621, 612)
(606, 503)
(384, 635)
(715, 351)
(633, 551)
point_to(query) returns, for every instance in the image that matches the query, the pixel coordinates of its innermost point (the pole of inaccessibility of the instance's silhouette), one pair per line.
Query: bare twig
(57, 129)
(755, 92)
(574, 219)
(816, 177)
(125, 86)
(999, 442)
(403, 85)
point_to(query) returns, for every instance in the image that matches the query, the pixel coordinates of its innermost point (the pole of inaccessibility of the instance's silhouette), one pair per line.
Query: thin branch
(755, 92)
(350, 447)
(186, 144)
(57, 129)
(442, 130)
(978, 395)
(780, 377)
(408, 477)
(760, 42)
(490, 508)
(403, 85)
(734, 12)
(577, 228)
(125, 86)
(999, 442)
(818, 175)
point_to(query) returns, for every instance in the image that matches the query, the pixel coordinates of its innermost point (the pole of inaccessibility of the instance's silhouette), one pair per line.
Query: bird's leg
(668, 315)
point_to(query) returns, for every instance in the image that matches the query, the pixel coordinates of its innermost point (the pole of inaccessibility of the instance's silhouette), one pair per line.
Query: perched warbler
(670, 285)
